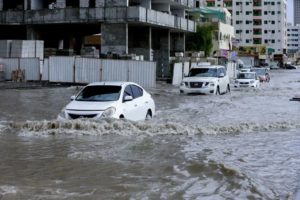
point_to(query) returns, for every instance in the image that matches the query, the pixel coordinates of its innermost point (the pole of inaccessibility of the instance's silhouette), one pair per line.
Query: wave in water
(128, 128)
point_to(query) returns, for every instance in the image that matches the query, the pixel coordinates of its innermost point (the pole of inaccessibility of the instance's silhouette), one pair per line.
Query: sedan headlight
(236, 81)
(252, 82)
(62, 114)
(212, 83)
(109, 112)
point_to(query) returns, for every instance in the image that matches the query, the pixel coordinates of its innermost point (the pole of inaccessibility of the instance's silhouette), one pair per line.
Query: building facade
(220, 19)
(293, 41)
(296, 12)
(258, 22)
(154, 29)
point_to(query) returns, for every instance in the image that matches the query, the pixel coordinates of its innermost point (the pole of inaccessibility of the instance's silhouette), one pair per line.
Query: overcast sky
(290, 11)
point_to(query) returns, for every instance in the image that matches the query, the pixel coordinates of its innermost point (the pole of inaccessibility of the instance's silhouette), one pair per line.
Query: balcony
(185, 3)
(98, 15)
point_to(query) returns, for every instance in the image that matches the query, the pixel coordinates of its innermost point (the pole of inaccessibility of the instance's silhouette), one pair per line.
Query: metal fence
(70, 69)
(30, 65)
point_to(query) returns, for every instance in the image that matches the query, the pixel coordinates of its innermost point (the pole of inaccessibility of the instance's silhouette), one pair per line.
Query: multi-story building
(258, 22)
(220, 20)
(293, 41)
(296, 12)
(151, 28)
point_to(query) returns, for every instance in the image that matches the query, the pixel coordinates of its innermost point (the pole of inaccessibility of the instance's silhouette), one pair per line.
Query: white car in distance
(247, 79)
(209, 79)
(110, 100)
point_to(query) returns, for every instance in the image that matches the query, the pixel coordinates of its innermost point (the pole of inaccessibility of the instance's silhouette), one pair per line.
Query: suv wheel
(228, 89)
(218, 90)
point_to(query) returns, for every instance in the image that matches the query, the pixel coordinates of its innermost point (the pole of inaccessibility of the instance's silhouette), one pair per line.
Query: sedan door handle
(146, 102)
(135, 105)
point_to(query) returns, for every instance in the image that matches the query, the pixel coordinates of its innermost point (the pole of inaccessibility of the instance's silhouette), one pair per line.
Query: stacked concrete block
(27, 49)
(5, 47)
(23, 49)
(84, 3)
(39, 49)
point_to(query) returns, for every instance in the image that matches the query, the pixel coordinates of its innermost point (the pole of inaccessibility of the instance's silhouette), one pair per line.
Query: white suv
(210, 79)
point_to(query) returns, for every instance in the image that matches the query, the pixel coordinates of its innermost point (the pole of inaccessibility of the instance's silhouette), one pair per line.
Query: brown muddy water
(243, 145)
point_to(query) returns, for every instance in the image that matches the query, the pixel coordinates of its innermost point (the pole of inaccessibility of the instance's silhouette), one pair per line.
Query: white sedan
(110, 100)
(247, 79)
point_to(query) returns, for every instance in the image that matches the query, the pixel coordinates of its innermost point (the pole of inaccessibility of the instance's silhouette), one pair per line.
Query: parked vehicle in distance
(247, 79)
(245, 68)
(262, 73)
(289, 66)
(110, 100)
(209, 79)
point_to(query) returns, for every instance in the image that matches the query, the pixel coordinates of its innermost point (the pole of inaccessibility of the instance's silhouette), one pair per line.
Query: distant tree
(201, 40)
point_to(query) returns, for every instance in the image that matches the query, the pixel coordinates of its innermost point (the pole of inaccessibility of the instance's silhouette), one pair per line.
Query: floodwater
(243, 145)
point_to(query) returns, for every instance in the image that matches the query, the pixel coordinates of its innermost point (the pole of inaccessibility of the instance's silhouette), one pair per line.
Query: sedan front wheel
(148, 115)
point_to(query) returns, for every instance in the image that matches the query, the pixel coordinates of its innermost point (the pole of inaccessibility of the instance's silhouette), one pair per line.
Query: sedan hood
(199, 79)
(89, 105)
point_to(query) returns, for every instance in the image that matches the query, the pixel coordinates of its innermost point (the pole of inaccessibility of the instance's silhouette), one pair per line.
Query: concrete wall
(114, 38)
(111, 3)
(84, 3)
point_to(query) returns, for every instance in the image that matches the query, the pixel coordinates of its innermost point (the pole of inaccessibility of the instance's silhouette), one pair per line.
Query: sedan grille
(196, 84)
(76, 116)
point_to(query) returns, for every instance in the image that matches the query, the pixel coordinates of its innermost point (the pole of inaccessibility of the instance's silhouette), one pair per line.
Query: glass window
(127, 92)
(99, 93)
(137, 91)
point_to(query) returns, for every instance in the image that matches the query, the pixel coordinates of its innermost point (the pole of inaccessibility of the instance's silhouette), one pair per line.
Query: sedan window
(128, 92)
(99, 93)
(137, 91)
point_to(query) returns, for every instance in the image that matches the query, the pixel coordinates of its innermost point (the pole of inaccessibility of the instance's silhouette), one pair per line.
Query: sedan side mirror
(128, 98)
(73, 97)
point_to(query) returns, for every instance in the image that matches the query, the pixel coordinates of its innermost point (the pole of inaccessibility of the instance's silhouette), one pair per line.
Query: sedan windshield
(203, 72)
(246, 76)
(99, 93)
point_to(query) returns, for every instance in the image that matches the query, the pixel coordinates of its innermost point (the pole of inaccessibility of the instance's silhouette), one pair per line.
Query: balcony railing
(90, 15)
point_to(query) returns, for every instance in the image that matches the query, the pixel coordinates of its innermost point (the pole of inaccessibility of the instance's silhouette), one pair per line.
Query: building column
(114, 38)
(161, 51)
(177, 42)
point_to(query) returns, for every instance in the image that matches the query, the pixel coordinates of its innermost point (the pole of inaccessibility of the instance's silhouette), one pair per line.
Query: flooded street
(242, 145)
